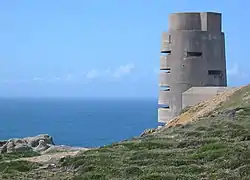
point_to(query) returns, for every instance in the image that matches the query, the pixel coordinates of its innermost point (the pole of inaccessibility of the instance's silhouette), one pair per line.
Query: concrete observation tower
(192, 55)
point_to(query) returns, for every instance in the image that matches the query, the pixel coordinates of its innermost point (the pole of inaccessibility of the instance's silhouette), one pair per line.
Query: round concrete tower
(192, 55)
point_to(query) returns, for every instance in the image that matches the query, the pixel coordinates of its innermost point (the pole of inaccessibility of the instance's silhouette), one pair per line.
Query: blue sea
(77, 122)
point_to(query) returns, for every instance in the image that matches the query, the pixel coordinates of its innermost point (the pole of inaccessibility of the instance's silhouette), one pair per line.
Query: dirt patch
(201, 109)
(48, 158)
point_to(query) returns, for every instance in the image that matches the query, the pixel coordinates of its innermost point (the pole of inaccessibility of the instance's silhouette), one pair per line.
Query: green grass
(16, 169)
(16, 155)
(17, 166)
(12, 169)
(214, 147)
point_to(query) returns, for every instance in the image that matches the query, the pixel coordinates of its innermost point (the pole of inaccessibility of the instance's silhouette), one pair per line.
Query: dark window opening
(165, 70)
(161, 124)
(164, 88)
(215, 72)
(165, 52)
(194, 54)
(210, 85)
(164, 106)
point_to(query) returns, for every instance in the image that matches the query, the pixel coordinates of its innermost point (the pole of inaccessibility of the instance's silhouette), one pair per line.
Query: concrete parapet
(194, 95)
(195, 21)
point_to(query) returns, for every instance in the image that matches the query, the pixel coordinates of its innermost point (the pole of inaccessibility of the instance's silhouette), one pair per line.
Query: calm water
(74, 122)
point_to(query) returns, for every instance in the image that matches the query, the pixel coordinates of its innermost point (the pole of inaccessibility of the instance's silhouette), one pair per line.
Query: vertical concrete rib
(193, 52)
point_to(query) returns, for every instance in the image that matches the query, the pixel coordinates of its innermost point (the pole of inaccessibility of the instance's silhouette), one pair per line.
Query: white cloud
(107, 71)
(52, 79)
(37, 78)
(104, 74)
(110, 73)
(57, 78)
(123, 70)
(69, 77)
(235, 71)
(92, 74)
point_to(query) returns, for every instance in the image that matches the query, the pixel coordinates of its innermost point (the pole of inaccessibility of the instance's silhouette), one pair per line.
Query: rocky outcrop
(147, 132)
(43, 144)
(63, 148)
(37, 143)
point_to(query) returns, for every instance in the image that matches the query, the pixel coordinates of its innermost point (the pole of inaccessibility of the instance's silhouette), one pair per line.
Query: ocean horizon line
(77, 98)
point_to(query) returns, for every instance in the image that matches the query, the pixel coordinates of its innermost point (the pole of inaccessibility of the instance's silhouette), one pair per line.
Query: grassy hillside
(13, 167)
(215, 146)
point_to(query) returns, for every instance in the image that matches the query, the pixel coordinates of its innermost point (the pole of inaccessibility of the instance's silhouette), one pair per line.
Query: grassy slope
(13, 169)
(214, 147)
(10, 168)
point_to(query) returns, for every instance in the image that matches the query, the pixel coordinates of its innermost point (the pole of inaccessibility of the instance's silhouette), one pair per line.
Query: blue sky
(102, 48)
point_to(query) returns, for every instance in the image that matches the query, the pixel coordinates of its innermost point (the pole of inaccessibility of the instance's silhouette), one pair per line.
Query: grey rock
(34, 141)
(62, 148)
(147, 132)
(22, 148)
(51, 166)
(37, 143)
(3, 143)
(3, 149)
(10, 146)
(42, 146)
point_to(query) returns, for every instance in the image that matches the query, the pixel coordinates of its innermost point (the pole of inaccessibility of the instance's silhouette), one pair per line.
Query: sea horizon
(77, 121)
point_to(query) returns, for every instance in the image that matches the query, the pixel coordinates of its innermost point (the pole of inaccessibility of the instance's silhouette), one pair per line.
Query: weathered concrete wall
(194, 95)
(193, 55)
